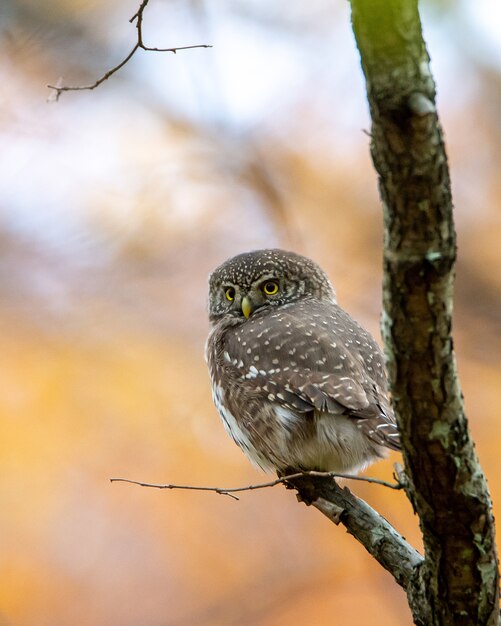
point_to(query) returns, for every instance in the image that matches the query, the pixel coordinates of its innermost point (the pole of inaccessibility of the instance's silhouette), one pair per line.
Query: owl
(297, 382)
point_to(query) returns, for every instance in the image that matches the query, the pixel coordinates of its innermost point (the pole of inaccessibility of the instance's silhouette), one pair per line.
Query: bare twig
(138, 18)
(319, 489)
(59, 89)
(284, 479)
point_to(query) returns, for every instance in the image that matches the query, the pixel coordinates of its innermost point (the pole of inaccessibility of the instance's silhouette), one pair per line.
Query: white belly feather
(337, 444)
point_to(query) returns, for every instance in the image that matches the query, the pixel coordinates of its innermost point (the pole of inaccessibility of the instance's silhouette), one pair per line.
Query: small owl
(298, 383)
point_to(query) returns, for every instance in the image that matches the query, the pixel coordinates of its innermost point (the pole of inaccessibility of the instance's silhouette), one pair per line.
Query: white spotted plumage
(299, 384)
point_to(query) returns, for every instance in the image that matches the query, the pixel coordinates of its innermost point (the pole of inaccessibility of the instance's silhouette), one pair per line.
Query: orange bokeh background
(114, 207)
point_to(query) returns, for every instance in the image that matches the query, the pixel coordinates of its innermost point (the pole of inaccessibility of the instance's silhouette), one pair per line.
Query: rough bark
(370, 528)
(459, 577)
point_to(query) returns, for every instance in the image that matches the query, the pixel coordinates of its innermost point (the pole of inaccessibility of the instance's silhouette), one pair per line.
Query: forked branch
(320, 490)
(138, 18)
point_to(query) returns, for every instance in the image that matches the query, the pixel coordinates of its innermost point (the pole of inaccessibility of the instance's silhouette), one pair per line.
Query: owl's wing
(313, 356)
(341, 394)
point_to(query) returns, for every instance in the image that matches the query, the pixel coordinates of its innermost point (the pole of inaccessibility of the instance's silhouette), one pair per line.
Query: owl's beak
(246, 306)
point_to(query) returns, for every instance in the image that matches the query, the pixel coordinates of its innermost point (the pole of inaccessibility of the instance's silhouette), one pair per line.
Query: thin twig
(232, 490)
(60, 89)
(375, 533)
(138, 17)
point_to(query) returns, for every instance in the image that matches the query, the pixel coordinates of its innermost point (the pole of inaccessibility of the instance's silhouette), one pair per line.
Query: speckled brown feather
(299, 373)
(331, 364)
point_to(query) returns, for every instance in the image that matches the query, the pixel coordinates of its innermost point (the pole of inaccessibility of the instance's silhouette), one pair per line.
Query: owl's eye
(229, 292)
(270, 288)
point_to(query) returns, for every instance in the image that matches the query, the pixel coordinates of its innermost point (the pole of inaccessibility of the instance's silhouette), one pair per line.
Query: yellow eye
(230, 294)
(270, 288)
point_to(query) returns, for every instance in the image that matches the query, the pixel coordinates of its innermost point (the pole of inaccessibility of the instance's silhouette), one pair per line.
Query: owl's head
(254, 282)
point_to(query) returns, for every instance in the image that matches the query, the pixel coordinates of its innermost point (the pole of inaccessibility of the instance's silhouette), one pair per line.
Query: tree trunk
(458, 581)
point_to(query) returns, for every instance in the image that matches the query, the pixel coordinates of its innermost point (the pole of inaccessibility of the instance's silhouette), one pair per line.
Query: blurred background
(114, 206)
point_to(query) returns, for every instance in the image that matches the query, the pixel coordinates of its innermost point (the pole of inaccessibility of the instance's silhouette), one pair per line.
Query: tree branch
(319, 489)
(446, 484)
(138, 18)
(229, 491)
(368, 527)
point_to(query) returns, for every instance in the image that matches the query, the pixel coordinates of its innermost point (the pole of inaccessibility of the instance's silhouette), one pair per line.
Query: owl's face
(263, 280)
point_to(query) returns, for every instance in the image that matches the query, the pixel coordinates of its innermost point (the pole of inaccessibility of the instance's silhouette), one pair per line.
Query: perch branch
(319, 489)
(365, 524)
(229, 491)
(138, 18)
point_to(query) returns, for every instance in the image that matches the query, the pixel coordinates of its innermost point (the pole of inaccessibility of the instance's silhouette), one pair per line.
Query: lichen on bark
(458, 580)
